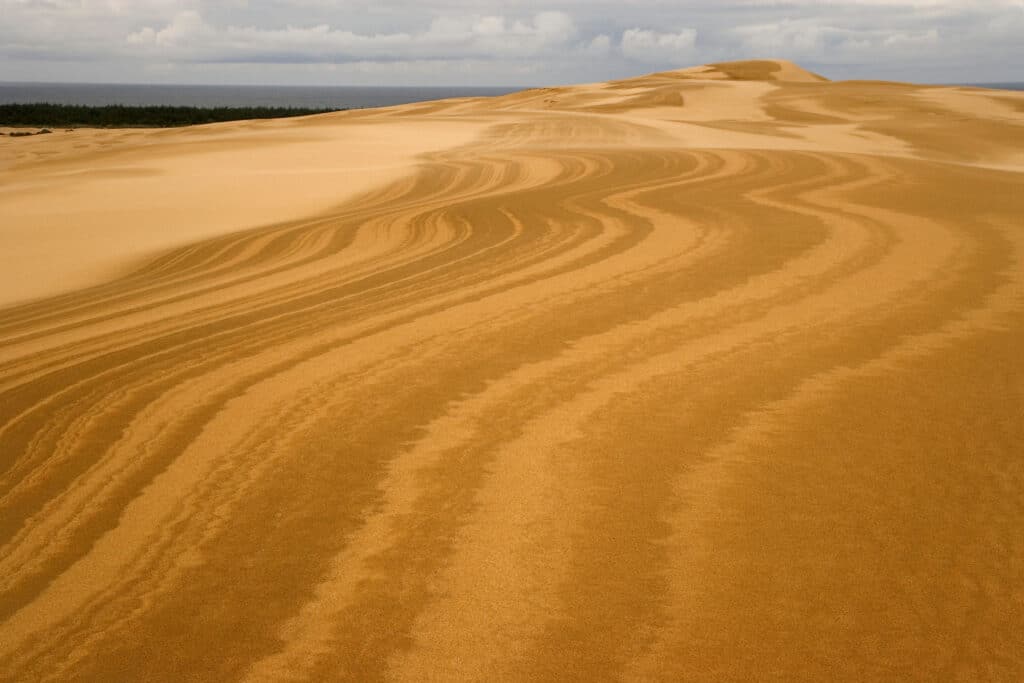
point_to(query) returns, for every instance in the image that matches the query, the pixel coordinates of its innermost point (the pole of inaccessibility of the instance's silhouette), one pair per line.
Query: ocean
(315, 97)
(999, 86)
(326, 97)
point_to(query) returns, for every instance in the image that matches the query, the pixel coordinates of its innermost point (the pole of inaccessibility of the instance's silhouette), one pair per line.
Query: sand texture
(709, 375)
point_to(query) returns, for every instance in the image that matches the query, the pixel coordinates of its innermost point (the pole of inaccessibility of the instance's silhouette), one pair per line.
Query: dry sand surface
(711, 375)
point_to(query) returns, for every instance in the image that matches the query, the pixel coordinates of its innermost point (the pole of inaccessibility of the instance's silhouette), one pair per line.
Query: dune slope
(706, 375)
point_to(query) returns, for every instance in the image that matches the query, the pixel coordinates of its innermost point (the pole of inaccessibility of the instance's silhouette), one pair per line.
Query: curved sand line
(709, 374)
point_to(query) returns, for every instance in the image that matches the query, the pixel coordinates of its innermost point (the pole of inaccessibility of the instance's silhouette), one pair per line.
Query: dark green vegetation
(25, 133)
(120, 116)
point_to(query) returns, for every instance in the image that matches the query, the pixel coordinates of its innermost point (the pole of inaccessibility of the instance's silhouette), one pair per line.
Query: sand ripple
(599, 392)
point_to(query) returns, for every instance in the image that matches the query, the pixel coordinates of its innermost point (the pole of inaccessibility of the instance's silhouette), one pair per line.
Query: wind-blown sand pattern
(714, 374)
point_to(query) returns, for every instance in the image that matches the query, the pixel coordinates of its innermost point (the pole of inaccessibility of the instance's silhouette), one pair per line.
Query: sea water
(311, 97)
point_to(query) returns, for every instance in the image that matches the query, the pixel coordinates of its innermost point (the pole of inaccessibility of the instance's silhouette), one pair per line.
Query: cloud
(929, 38)
(187, 28)
(808, 40)
(189, 37)
(653, 47)
(599, 46)
(487, 41)
(792, 39)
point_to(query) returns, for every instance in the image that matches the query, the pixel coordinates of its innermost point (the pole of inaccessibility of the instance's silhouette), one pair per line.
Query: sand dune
(712, 374)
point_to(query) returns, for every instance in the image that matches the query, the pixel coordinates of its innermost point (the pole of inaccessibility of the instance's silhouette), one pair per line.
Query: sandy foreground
(716, 374)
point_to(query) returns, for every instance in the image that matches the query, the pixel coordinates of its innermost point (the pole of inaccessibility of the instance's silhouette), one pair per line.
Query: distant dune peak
(751, 70)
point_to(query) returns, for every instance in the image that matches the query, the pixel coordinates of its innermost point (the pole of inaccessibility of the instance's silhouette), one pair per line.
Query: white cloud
(929, 38)
(187, 28)
(792, 39)
(519, 42)
(188, 36)
(654, 47)
(599, 46)
(807, 40)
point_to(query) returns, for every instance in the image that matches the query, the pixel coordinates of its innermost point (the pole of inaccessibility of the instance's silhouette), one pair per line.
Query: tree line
(120, 116)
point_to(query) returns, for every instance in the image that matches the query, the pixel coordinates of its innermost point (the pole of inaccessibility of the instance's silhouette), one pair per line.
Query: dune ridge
(709, 374)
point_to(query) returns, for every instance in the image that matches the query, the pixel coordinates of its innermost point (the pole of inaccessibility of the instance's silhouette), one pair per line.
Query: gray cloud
(485, 41)
(644, 45)
(189, 37)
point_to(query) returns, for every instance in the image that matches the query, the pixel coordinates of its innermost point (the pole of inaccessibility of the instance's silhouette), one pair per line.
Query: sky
(501, 43)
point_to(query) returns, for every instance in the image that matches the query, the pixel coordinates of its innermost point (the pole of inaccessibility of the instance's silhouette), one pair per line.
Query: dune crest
(751, 70)
(712, 374)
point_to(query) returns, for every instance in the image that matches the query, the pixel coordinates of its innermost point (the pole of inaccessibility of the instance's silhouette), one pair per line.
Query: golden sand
(711, 375)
